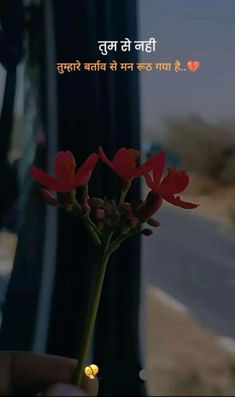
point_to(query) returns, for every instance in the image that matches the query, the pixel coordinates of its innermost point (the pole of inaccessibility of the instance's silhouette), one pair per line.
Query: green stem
(92, 233)
(91, 318)
(122, 197)
(90, 226)
(92, 229)
(124, 192)
(116, 243)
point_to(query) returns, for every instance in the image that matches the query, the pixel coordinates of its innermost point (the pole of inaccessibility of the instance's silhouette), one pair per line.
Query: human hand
(25, 371)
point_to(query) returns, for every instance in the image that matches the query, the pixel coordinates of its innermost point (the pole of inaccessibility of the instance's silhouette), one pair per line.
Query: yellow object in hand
(91, 371)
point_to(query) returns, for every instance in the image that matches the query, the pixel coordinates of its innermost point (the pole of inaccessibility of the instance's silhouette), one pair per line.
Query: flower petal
(50, 182)
(157, 164)
(174, 182)
(150, 182)
(128, 155)
(105, 158)
(65, 165)
(179, 203)
(83, 174)
(124, 163)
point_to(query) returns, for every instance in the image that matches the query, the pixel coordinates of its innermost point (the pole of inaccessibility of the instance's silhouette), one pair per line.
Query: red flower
(67, 178)
(157, 163)
(124, 163)
(173, 183)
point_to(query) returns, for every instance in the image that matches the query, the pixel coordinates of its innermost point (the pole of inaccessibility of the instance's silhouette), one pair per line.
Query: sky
(185, 29)
(201, 30)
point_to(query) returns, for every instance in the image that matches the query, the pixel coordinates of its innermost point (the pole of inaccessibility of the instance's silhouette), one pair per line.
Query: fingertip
(90, 385)
(64, 389)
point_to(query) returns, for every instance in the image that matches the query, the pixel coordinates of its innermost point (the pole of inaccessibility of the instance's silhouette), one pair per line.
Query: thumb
(64, 389)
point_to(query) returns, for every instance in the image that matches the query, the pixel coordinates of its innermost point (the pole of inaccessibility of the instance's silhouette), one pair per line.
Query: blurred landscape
(185, 356)
(207, 151)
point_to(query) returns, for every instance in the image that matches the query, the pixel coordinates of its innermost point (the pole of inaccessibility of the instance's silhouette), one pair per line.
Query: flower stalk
(90, 226)
(124, 191)
(92, 313)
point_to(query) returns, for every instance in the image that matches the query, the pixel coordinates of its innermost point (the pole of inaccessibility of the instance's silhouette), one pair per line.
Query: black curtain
(93, 109)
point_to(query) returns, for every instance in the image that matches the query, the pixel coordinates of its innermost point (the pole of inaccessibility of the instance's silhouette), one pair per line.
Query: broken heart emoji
(193, 66)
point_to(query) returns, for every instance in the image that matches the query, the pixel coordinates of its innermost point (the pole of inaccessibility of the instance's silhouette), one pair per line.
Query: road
(193, 260)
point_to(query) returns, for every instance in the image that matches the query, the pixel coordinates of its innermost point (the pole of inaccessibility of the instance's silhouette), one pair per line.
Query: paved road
(193, 260)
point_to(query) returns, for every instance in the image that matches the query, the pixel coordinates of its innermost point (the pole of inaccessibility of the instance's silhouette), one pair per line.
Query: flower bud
(126, 206)
(153, 222)
(95, 202)
(147, 232)
(100, 214)
(85, 210)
